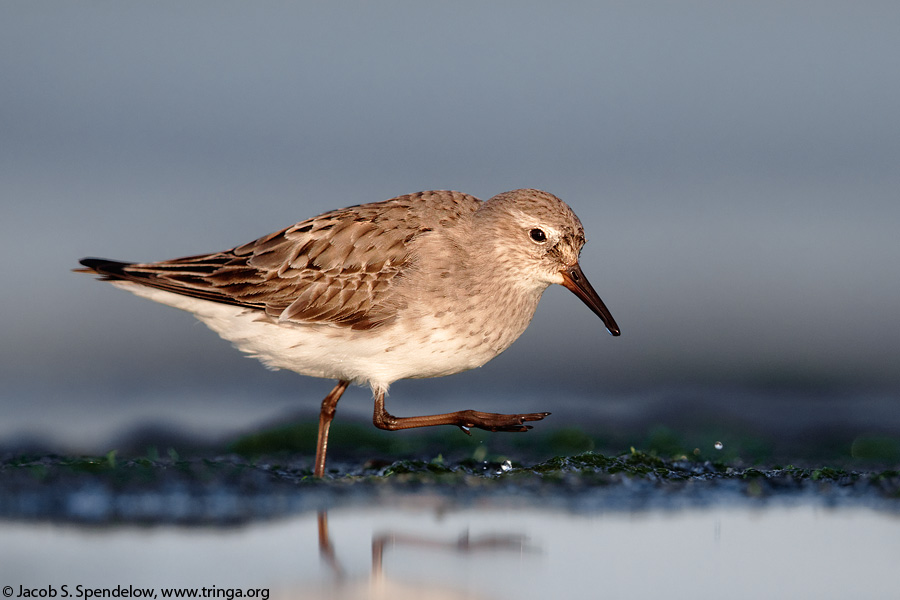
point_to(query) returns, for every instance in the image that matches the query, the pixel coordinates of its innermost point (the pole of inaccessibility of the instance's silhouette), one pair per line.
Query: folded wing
(338, 268)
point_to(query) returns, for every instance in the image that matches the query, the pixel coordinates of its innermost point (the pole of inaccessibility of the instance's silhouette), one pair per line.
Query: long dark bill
(578, 284)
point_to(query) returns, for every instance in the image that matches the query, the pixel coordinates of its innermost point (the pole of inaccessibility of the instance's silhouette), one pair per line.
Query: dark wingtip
(102, 266)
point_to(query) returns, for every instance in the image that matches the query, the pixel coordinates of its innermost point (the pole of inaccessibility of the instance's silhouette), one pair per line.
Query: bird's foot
(495, 421)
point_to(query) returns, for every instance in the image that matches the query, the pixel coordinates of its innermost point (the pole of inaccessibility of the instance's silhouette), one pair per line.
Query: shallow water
(427, 549)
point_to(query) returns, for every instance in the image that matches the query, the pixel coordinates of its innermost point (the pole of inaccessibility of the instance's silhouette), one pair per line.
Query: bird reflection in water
(381, 585)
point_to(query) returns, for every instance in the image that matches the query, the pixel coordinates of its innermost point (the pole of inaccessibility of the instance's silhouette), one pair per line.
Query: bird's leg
(464, 419)
(329, 406)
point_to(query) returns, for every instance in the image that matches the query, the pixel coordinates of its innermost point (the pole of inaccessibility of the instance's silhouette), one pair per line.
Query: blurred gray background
(736, 167)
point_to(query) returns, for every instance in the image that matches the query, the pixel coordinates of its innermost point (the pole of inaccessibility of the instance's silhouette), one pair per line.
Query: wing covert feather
(341, 267)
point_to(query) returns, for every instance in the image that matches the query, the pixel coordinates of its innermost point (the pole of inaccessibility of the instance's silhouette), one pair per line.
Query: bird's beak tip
(575, 281)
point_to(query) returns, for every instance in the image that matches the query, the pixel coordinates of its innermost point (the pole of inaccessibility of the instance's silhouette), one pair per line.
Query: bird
(422, 285)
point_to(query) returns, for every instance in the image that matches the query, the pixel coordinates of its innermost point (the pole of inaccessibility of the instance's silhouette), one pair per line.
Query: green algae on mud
(360, 442)
(230, 489)
(268, 474)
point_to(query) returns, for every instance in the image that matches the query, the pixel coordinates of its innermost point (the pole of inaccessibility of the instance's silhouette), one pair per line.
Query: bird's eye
(538, 235)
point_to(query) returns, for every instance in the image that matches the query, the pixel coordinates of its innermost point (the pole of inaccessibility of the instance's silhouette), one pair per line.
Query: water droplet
(506, 466)
(718, 445)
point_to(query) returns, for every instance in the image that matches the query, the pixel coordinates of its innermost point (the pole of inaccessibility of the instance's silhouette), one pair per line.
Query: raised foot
(496, 422)
(464, 419)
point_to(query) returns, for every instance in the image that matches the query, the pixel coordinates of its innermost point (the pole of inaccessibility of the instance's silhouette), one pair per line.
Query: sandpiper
(422, 285)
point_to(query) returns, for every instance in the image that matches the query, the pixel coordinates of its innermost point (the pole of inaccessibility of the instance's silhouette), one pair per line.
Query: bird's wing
(340, 267)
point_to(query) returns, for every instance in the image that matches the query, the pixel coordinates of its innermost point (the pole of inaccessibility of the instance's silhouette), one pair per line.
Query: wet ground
(449, 516)
(231, 489)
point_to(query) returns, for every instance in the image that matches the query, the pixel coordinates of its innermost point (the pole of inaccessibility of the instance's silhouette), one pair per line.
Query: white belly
(426, 348)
